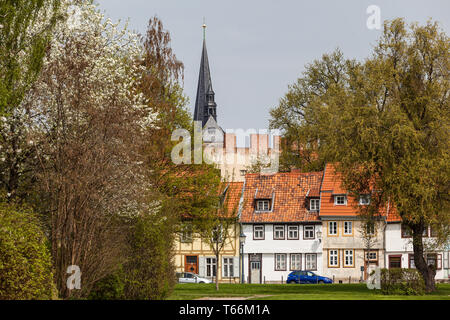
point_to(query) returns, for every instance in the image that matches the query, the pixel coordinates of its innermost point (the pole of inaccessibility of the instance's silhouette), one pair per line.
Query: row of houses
(289, 221)
(304, 221)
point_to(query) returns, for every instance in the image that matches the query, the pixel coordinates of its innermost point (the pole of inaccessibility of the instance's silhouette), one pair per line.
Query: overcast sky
(256, 48)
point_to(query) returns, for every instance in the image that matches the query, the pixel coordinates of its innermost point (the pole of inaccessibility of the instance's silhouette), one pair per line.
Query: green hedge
(402, 282)
(25, 260)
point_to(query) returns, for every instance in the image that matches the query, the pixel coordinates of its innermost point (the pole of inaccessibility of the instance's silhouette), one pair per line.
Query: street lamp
(319, 235)
(242, 237)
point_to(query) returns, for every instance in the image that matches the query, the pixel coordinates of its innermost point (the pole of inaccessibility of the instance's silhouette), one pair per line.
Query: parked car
(306, 277)
(189, 277)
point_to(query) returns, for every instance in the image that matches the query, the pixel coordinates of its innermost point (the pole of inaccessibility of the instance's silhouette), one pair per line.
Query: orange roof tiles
(331, 181)
(232, 197)
(392, 215)
(331, 186)
(288, 191)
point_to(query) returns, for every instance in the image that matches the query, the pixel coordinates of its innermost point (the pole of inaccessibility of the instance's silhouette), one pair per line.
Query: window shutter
(201, 266)
(236, 267)
(446, 256)
(223, 267)
(439, 262)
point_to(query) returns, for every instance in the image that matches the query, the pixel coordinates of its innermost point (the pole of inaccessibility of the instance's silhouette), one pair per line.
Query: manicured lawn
(295, 292)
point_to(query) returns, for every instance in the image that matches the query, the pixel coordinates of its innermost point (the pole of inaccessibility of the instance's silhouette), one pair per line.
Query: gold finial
(204, 28)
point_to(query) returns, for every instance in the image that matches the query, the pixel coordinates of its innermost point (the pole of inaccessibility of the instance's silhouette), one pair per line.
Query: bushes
(149, 271)
(109, 288)
(25, 261)
(402, 282)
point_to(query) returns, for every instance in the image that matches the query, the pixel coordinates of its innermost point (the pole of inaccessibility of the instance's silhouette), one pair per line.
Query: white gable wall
(269, 247)
(396, 245)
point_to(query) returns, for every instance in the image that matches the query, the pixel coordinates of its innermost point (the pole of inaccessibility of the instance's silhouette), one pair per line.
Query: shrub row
(402, 282)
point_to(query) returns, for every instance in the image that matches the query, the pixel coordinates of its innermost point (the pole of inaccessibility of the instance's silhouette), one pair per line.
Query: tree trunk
(217, 271)
(428, 272)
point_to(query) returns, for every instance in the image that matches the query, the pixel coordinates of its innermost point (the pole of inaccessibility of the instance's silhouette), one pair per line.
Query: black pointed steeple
(205, 105)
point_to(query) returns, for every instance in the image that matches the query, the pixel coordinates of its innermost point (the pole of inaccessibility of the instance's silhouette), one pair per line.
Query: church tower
(205, 106)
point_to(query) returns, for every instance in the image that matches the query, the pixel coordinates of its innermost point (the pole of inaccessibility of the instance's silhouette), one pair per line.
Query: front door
(191, 264)
(255, 272)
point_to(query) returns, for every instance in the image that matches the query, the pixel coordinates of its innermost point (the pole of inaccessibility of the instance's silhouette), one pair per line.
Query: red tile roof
(232, 197)
(288, 191)
(392, 215)
(331, 186)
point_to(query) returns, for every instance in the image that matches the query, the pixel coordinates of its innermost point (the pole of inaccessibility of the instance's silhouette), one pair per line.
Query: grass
(189, 291)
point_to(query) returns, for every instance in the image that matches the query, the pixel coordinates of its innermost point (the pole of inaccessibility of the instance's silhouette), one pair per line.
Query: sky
(256, 48)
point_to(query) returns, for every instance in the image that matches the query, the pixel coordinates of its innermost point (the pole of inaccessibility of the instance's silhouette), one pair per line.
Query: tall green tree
(26, 28)
(88, 127)
(218, 227)
(181, 191)
(385, 124)
(25, 31)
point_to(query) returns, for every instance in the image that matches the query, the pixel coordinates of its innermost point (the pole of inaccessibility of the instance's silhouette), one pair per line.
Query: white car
(189, 277)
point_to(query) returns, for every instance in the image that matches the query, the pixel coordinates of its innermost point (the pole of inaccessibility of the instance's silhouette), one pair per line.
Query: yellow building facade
(192, 254)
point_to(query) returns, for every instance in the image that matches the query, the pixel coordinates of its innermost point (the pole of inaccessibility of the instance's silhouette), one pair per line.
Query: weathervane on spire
(204, 28)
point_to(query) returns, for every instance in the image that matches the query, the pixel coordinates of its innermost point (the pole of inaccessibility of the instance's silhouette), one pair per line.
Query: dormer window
(364, 200)
(262, 205)
(340, 200)
(314, 204)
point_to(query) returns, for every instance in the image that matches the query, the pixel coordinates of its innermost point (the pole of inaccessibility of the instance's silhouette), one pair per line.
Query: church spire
(205, 105)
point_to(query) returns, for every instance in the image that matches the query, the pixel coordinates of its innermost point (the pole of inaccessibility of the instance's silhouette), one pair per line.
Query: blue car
(306, 277)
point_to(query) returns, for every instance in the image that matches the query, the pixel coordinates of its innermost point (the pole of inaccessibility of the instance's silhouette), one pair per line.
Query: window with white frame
(293, 232)
(211, 267)
(340, 200)
(371, 256)
(262, 205)
(348, 228)
(280, 261)
(370, 228)
(434, 259)
(186, 234)
(228, 267)
(348, 258)
(218, 234)
(406, 231)
(296, 261)
(258, 232)
(433, 231)
(333, 258)
(332, 228)
(311, 261)
(431, 259)
(412, 265)
(308, 232)
(278, 232)
(364, 199)
(314, 204)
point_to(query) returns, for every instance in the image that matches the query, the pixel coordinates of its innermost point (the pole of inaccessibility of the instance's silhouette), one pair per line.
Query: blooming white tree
(90, 126)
